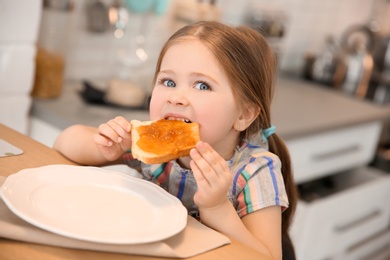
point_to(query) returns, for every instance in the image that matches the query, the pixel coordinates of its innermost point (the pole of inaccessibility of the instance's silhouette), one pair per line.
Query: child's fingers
(203, 166)
(213, 159)
(213, 166)
(198, 175)
(118, 129)
(109, 132)
(124, 123)
(101, 140)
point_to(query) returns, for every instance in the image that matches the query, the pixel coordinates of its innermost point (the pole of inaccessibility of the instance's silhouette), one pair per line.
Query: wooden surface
(36, 154)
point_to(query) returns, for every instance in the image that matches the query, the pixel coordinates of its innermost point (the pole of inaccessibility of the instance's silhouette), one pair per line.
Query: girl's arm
(260, 230)
(76, 143)
(95, 146)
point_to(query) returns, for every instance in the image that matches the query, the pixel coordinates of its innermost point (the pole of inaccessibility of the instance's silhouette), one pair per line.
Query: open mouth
(185, 120)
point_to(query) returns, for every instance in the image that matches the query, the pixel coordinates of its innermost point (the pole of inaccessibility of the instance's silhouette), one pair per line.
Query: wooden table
(35, 155)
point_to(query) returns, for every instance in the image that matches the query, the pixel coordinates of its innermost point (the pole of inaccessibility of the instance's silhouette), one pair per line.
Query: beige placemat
(193, 240)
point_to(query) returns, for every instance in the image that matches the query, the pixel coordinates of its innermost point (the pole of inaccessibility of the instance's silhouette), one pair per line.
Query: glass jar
(51, 48)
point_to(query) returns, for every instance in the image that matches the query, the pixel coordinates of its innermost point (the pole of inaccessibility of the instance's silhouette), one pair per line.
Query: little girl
(238, 179)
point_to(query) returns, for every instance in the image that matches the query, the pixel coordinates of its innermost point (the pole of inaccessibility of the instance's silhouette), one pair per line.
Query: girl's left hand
(212, 175)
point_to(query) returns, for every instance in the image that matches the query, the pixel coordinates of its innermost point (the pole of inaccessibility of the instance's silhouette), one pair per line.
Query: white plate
(94, 204)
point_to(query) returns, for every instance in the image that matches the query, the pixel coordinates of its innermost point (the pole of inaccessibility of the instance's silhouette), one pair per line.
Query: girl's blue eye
(202, 86)
(169, 83)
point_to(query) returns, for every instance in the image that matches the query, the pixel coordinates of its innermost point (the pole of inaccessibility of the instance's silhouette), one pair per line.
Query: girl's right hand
(113, 138)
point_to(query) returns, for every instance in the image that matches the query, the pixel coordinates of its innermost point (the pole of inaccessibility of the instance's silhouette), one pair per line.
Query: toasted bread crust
(162, 159)
(151, 158)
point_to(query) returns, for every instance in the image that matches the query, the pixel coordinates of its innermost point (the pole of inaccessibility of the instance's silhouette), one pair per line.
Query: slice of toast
(161, 141)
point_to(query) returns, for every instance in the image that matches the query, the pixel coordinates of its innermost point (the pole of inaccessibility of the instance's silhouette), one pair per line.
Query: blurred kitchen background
(64, 62)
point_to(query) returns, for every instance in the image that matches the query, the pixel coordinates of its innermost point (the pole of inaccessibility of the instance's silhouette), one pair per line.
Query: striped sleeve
(259, 184)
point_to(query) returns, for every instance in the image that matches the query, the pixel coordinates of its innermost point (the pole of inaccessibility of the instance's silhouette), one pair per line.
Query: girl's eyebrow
(166, 72)
(197, 74)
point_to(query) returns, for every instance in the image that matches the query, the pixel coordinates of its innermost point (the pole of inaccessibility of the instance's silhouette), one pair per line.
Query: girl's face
(191, 85)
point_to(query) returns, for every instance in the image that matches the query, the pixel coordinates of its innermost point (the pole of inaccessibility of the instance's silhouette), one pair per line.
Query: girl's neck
(184, 162)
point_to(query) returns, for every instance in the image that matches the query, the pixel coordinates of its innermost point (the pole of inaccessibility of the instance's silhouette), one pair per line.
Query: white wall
(309, 22)
(19, 23)
(94, 55)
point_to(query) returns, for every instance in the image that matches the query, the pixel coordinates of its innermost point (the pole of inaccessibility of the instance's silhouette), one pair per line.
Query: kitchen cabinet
(318, 155)
(332, 138)
(339, 218)
(329, 135)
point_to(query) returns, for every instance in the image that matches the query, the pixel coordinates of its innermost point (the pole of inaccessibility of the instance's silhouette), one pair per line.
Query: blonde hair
(250, 65)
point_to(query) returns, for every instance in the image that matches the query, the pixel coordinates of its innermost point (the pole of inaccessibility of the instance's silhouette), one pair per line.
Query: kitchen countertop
(299, 108)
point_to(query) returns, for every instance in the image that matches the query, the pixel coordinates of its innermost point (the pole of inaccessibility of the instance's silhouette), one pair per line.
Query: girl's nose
(178, 99)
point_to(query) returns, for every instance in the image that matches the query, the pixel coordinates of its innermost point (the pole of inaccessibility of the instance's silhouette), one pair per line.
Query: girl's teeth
(179, 119)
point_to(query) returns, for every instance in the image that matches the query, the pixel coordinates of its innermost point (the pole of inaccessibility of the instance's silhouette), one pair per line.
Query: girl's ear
(247, 116)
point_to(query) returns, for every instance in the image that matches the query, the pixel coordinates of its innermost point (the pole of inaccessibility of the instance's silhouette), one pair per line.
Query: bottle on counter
(360, 65)
(51, 48)
(327, 64)
(358, 43)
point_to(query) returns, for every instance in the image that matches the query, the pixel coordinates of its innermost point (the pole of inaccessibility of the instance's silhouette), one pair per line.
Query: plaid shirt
(257, 179)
